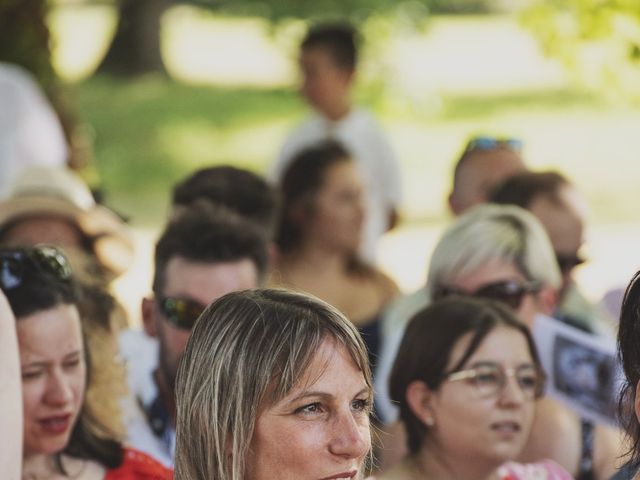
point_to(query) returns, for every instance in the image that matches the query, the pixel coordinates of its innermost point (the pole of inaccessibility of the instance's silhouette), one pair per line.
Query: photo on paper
(586, 375)
(583, 370)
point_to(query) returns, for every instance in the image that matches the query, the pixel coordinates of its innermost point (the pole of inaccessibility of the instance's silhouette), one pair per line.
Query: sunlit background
(534, 73)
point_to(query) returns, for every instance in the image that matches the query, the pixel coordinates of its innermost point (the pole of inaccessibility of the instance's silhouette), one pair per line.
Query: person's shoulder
(137, 465)
(387, 287)
(543, 470)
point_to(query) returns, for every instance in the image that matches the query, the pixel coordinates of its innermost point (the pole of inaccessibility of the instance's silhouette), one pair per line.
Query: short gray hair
(494, 232)
(247, 350)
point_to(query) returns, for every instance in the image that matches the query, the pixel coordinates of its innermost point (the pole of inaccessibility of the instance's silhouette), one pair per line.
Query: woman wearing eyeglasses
(502, 253)
(62, 437)
(466, 379)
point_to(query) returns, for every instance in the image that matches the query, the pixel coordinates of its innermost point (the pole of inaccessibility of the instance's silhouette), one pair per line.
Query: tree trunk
(135, 48)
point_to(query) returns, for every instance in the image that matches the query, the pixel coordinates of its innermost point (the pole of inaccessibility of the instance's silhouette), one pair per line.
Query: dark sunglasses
(491, 143)
(569, 262)
(180, 313)
(509, 292)
(17, 263)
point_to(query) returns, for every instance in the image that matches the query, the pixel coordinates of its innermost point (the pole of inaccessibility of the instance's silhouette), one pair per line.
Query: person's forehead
(495, 163)
(318, 55)
(205, 282)
(503, 345)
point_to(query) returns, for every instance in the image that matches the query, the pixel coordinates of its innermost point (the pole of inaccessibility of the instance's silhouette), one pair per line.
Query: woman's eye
(527, 381)
(72, 363)
(30, 375)
(486, 378)
(310, 409)
(361, 405)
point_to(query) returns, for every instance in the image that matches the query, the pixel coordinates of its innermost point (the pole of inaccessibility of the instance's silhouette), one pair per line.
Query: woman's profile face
(53, 377)
(338, 212)
(474, 419)
(320, 430)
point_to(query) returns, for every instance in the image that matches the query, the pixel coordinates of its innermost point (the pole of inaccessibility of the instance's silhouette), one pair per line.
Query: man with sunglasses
(502, 252)
(485, 162)
(204, 253)
(561, 210)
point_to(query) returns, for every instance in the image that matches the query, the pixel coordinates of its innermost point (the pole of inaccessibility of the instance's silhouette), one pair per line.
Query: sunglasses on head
(179, 312)
(508, 292)
(491, 143)
(569, 262)
(17, 263)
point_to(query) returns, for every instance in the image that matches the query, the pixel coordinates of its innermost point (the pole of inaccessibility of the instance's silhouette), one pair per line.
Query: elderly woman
(502, 253)
(272, 385)
(466, 380)
(62, 437)
(629, 348)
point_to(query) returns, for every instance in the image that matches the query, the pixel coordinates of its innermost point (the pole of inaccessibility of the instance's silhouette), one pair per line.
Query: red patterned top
(139, 466)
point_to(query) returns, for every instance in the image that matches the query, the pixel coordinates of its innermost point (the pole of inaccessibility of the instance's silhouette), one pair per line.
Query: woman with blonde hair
(272, 384)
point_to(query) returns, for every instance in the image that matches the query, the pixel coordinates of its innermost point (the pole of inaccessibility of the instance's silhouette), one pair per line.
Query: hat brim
(96, 223)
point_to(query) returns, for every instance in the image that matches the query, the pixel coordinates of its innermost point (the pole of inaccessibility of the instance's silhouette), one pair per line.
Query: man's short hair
(522, 188)
(240, 190)
(210, 233)
(339, 39)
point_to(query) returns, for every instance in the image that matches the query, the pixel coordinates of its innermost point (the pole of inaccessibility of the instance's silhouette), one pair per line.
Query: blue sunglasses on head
(491, 143)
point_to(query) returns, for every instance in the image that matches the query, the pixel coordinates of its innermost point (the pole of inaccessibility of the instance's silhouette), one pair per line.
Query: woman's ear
(636, 402)
(548, 300)
(419, 399)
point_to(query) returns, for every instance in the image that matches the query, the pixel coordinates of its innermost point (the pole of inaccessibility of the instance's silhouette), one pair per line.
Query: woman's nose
(59, 391)
(512, 393)
(351, 436)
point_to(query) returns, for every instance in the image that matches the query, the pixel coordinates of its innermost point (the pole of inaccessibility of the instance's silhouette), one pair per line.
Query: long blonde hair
(248, 350)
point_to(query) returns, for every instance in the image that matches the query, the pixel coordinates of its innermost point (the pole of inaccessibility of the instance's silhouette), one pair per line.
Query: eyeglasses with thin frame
(484, 143)
(180, 313)
(15, 264)
(489, 379)
(508, 292)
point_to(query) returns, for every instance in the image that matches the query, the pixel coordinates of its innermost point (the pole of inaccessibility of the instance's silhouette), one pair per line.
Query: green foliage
(599, 40)
(24, 38)
(355, 9)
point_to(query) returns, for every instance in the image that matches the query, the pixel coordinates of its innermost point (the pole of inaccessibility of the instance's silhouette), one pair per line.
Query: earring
(429, 421)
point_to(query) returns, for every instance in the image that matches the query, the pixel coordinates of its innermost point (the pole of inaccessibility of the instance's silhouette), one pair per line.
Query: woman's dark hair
(629, 351)
(39, 291)
(426, 347)
(302, 179)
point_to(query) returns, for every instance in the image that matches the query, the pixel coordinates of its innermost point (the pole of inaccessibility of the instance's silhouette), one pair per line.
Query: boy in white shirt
(328, 57)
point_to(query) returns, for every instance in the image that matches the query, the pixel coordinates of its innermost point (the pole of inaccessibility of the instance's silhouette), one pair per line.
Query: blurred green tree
(136, 45)
(599, 40)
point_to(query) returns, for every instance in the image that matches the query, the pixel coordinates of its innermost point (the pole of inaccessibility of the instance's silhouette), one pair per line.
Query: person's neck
(337, 112)
(317, 257)
(38, 466)
(167, 394)
(437, 466)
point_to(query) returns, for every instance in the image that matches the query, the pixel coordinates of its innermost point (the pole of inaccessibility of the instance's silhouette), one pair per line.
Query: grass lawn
(152, 131)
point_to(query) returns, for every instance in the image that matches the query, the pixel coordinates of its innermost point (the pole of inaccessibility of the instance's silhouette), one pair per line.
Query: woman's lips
(507, 428)
(55, 425)
(350, 474)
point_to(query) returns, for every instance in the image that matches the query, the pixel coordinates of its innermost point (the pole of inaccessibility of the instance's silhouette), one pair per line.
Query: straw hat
(46, 190)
